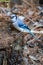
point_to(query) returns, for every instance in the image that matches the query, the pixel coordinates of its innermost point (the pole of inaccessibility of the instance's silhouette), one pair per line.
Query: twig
(38, 32)
(27, 3)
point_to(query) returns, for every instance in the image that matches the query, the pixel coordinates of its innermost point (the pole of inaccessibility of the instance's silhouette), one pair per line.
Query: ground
(32, 50)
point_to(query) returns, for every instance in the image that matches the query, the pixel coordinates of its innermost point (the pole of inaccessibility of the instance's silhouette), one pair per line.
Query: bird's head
(13, 16)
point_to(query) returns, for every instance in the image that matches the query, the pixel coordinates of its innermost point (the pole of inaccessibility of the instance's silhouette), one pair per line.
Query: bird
(20, 25)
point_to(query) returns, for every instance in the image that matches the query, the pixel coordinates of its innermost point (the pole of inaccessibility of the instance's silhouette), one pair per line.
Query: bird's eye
(12, 17)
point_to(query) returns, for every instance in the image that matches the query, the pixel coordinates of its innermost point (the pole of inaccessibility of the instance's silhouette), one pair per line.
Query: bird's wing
(22, 24)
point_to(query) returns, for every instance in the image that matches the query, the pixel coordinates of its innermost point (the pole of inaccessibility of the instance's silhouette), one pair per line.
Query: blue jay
(20, 25)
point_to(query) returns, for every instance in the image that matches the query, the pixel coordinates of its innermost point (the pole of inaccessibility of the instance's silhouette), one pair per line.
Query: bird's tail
(36, 38)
